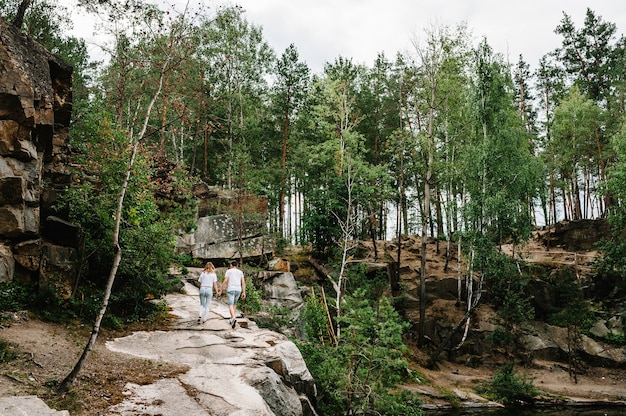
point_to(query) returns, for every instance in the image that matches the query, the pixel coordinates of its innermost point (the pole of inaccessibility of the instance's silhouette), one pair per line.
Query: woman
(208, 282)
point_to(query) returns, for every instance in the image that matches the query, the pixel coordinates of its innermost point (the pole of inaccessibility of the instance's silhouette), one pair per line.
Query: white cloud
(323, 30)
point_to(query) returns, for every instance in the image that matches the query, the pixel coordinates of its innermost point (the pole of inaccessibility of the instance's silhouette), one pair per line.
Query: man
(235, 288)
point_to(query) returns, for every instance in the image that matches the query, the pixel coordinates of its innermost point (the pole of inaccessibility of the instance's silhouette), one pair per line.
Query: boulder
(551, 342)
(223, 228)
(578, 235)
(282, 289)
(61, 232)
(7, 263)
(27, 405)
(28, 254)
(223, 237)
(293, 369)
(279, 265)
(11, 190)
(58, 270)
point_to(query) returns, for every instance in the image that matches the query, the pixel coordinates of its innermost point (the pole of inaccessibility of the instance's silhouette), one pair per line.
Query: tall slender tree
(437, 69)
(290, 90)
(134, 145)
(237, 60)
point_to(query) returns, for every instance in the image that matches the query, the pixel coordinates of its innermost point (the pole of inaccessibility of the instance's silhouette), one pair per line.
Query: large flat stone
(27, 405)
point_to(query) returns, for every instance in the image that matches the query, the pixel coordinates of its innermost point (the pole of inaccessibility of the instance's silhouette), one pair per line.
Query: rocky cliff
(567, 250)
(229, 226)
(35, 110)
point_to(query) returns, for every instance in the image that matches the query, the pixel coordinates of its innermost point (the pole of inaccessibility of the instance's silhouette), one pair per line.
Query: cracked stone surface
(229, 372)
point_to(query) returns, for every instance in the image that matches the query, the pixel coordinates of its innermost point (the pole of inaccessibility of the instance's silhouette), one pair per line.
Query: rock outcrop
(240, 371)
(27, 405)
(35, 111)
(229, 226)
(567, 250)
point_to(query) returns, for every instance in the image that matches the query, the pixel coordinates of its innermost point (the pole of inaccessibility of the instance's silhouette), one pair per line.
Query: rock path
(230, 371)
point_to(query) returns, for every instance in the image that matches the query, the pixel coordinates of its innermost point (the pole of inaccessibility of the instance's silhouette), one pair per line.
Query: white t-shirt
(207, 279)
(234, 276)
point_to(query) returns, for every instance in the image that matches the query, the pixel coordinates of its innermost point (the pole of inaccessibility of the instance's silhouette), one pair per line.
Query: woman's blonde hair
(209, 267)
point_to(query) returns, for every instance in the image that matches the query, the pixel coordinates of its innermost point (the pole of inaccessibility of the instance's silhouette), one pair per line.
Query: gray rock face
(27, 405)
(282, 289)
(224, 237)
(551, 342)
(241, 371)
(35, 110)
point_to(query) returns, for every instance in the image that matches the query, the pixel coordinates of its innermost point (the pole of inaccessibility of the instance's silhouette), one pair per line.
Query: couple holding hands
(234, 283)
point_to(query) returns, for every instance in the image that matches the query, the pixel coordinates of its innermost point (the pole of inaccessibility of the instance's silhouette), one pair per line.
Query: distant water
(567, 411)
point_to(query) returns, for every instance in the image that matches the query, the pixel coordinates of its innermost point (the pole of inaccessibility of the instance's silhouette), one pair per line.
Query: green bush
(615, 338)
(13, 296)
(501, 338)
(278, 318)
(158, 204)
(315, 321)
(327, 368)
(6, 352)
(508, 387)
(281, 245)
(367, 361)
(401, 403)
(251, 305)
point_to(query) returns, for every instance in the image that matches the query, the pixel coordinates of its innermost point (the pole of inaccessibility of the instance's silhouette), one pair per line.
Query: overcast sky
(323, 30)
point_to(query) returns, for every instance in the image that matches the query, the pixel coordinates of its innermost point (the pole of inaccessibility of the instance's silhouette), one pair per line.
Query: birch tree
(439, 69)
(134, 145)
(236, 60)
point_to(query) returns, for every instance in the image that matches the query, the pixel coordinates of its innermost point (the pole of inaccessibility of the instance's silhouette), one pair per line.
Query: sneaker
(199, 321)
(233, 323)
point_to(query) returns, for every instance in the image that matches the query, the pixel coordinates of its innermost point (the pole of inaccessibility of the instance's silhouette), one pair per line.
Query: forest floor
(46, 352)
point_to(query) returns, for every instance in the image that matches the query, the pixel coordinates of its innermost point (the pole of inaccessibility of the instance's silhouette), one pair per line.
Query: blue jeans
(206, 293)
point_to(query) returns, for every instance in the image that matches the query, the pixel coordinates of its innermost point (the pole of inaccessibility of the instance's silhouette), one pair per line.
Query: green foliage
(615, 338)
(570, 309)
(501, 173)
(517, 308)
(507, 292)
(252, 303)
(509, 387)
(315, 321)
(368, 360)
(325, 365)
(275, 318)
(281, 244)
(399, 403)
(52, 308)
(372, 336)
(319, 225)
(614, 259)
(187, 261)
(157, 205)
(7, 352)
(502, 338)
(373, 286)
(14, 296)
